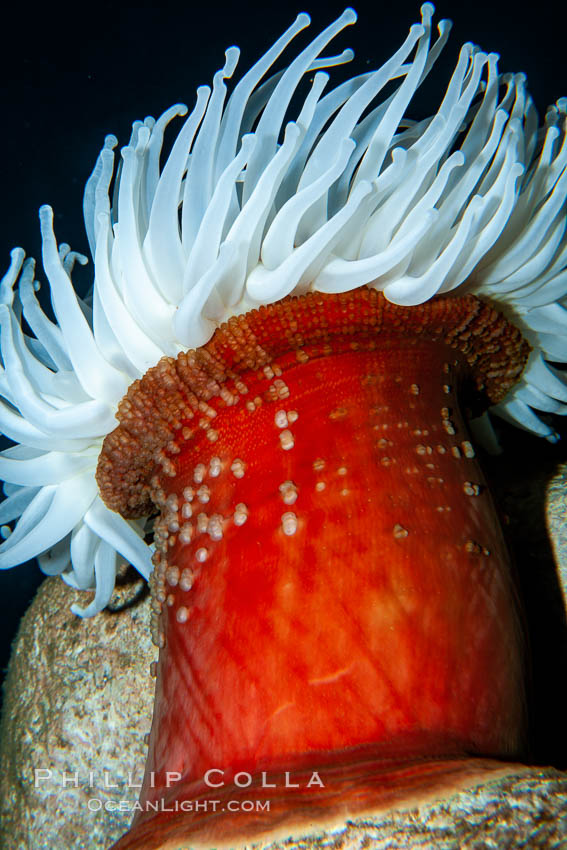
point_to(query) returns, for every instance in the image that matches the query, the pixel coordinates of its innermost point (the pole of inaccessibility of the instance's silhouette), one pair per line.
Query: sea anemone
(310, 257)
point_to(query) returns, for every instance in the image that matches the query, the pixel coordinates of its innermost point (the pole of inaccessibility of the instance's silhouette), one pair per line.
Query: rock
(556, 516)
(78, 698)
(527, 810)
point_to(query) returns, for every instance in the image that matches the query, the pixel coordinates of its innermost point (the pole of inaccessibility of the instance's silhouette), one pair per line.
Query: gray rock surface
(524, 811)
(556, 516)
(78, 699)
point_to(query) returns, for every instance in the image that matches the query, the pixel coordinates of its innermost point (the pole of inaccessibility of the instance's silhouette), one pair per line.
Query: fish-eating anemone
(283, 316)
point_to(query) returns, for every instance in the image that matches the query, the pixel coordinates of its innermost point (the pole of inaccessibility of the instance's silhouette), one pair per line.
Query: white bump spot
(468, 449)
(186, 580)
(289, 492)
(240, 514)
(203, 494)
(199, 473)
(281, 419)
(289, 523)
(471, 489)
(186, 533)
(182, 614)
(172, 576)
(172, 502)
(286, 440)
(214, 527)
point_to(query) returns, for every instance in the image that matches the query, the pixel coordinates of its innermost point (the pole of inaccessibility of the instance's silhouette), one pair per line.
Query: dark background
(67, 81)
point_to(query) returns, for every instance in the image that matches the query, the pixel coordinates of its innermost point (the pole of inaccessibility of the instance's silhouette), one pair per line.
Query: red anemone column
(332, 592)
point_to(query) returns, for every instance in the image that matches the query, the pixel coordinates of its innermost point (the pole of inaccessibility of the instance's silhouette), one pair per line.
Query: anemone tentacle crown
(248, 209)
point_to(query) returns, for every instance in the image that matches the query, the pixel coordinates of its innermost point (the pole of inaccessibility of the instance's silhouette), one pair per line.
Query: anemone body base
(364, 786)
